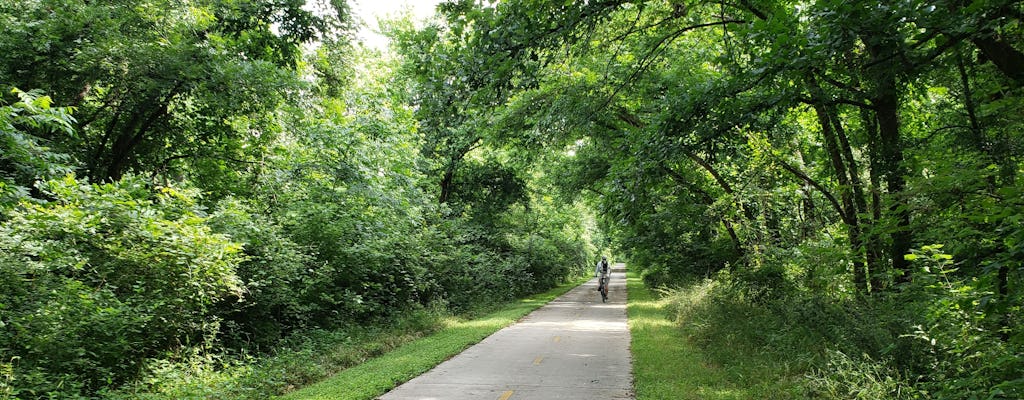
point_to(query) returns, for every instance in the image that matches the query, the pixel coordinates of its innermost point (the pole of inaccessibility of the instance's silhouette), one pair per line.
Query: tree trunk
(846, 195)
(1003, 291)
(810, 222)
(843, 175)
(977, 136)
(871, 258)
(998, 150)
(448, 179)
(124, 148)
(872, 240)
(885, 100)
(446, 185)
(892, 160)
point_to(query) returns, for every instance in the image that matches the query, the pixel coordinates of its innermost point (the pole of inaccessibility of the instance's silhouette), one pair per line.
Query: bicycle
(603, 287)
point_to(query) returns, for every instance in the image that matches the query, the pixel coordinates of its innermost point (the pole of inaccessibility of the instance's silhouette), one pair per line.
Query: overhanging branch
(800, 174)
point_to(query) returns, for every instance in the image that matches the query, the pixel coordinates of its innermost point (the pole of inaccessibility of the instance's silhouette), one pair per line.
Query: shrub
(276, 272)
(24, 156)
(101, 278)
(962, 350)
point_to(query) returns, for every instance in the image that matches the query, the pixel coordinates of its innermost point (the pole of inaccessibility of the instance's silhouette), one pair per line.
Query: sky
(368, 11)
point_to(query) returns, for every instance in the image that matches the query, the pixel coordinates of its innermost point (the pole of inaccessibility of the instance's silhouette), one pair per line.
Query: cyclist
(602, 272)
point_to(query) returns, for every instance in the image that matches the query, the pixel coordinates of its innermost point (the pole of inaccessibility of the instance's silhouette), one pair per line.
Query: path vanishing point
(575, 347)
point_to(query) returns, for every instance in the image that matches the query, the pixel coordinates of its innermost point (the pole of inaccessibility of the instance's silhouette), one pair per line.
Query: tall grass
(754, 337)
(303, 359)
(683, 351)
(721, 339)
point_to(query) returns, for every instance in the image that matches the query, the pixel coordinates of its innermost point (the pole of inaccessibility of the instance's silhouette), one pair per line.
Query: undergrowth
(803, 346)
(674, 360)
(308, 357)
(926, 339)
(302, 359)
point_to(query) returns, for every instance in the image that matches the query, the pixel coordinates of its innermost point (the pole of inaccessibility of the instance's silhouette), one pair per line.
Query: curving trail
(572, 348)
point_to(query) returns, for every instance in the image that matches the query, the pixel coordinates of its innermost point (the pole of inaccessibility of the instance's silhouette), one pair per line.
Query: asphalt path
(575, 347)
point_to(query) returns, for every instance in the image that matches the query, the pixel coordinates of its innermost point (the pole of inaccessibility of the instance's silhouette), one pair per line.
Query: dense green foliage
(190, 185)
(687, 344)
(843, 166)
(102, 277)
(187, 189)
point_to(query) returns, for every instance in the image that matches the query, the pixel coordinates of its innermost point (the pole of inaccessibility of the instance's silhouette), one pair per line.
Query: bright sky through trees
(370, 11)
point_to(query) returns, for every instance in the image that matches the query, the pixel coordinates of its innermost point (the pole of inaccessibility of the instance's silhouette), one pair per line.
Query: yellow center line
(506, 395)
(536, 361)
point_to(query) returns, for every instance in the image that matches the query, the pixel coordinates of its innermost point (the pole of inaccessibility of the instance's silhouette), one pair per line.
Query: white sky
(368, 11)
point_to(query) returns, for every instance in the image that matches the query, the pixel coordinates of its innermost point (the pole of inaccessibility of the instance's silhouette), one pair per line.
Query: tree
(781, 127)
(157, 82)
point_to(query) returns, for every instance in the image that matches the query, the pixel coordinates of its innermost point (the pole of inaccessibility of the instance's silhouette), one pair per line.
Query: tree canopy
(750, 138)
(184, 180)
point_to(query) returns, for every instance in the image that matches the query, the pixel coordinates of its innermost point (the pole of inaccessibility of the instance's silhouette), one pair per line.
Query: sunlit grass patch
(669, 364)
(665, 364)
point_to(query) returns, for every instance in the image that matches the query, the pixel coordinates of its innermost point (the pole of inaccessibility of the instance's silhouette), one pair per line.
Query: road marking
(536, 361)
(558, 339)
(506, 395)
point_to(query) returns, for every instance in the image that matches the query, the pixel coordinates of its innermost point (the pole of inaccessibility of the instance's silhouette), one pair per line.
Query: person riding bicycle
(602, 272)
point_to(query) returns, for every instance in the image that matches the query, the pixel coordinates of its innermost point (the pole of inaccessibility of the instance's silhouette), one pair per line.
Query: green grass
(668, 363)
(378, 375)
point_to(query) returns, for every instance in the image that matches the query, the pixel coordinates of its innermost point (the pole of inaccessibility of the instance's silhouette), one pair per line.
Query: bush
(104, 276)
(276, 272)
(24, 157)
(468, 268)
(932, 338)
(303, 358)
(962, 351)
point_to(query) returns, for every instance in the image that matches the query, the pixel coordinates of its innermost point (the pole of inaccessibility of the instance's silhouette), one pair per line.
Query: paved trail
(573, 348)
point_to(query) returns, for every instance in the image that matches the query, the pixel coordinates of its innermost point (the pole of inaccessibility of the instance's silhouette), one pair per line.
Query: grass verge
(378, 375)
(668, 363)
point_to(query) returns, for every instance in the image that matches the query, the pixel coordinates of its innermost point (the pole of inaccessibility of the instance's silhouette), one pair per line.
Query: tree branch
(800, 174)
(598, 192)
(856, 103)
(840, 85)
(680, 179)
(659, 48)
